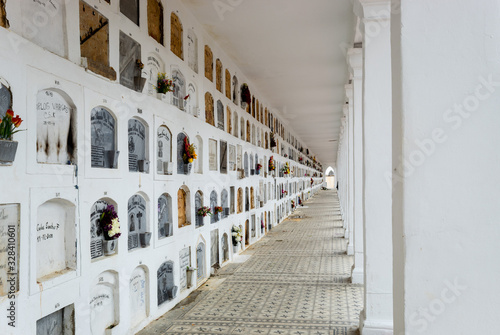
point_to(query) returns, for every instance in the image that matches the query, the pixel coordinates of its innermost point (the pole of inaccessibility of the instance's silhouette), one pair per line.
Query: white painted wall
(446, 99)
(29, 69)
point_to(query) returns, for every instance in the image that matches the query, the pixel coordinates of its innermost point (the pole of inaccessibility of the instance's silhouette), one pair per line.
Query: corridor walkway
(295, 281)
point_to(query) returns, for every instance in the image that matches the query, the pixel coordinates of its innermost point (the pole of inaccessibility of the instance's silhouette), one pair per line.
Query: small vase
(143, 166)
(109, 247)
(190, 277)
(187, 167)
(8, 151)
(165, 97)
(235, 248)
(145, 238)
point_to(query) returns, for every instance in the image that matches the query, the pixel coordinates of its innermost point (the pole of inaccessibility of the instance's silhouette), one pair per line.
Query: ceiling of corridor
(293, 51)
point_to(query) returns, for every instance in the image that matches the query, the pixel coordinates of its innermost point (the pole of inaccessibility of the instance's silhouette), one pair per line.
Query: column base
(374, 327)
(357, 276)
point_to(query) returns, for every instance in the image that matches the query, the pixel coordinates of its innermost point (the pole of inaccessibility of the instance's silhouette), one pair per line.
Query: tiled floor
(296, 282)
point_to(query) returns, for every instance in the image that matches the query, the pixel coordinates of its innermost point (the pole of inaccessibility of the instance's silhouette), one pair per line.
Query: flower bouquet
(189, 152)
(111, 228)
(9, 125)
(163, 84)
(204, 211)
(271, 164)
(218, 209)
(237, 235)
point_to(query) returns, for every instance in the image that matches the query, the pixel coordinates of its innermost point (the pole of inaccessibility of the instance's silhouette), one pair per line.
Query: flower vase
(145, 238)
(187, 168)
(8, 151)
(109, 247)
(190, 277)
(165, 97)
(235, 248)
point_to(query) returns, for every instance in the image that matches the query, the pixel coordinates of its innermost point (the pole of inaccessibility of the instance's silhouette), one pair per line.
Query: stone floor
(294, 281)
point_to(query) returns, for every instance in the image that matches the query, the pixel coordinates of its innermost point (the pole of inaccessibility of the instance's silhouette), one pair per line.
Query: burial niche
(200, 261)
(220, 115)
(223, 157)
(229, 120)
(242, 129)
(245, 163)
(213, 203)
(228, 84)
(155, 20)
(240, 200)
(232, 157)
(214, 249)
(164, 151)
(209, 109)
(130, 8)
(103, 139)
(94, 41)
(198, 163)
(209, 63)
(218, 75)
(138, 295)
(104, 302)
(152, 67)
(56, 128)
(165, 224)
(235, 90)
(55, 239)
(184, 262)
(247, 201)
(179, 92)
(166, 288)
(9, 248)
(192, 50)
(61, 322)
(235, 126)
(176, 36)
(130, 52)
(182, 168)
(137, 161)
(183, 207)
(198, 204)
(231, 200)
(252, 197)
(96, 233)
(247, 233)
(225, 248)
(212, 154)
(224, 203)
(191, 103)
(137, 222)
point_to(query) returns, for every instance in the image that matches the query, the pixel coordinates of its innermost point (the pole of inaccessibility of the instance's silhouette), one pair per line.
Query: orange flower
(17, 121)
(10, 112)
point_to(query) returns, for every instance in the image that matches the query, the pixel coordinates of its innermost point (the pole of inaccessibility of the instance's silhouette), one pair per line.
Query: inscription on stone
(130, 51)
(136, 144)
(136, 220)
(184, 262)
(223, 157)
(102, 138)
(212, 154)
(166, 289)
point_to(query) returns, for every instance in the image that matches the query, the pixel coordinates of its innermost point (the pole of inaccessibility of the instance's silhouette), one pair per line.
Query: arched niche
(137, 149)
(218, 75)
(229, 120)
(227, 82)
(104, 152)
(253, 134)
(198, 203)
(198, 163)
(138, 295)
(242, 128)
(200, 261)
(248, 132)
(213, 203)
(55, 239)
(267, 142)
(247, 233)
(209, 63)
(192, 50)
(176, 32)
(252, 198)
(245, 164)
(56, 127)
(235, 126)
(164, 150)
(236, 93)
(191, 102)
(240, 200)
(247, 199)
(209, 109)
(166, 285)
(138, 222)
(224, 198)
(154, 65)
(104, 302)
(183, 207)
(181, 166)
(155, 20)
(179, 92)
(225, 247)
(96, 233)
(220, 115)
(165, 224)
(252, 167)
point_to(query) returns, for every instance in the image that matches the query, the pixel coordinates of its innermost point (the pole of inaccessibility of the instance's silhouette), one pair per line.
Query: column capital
(376, 10)
(355, 62)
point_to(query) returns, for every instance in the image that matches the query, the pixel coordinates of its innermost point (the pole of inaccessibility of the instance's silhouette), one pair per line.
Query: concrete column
(350, 178)
(355, 60)
(377, 316)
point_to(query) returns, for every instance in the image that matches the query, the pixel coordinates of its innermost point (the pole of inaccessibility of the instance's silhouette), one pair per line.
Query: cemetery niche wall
(165, 224)
(165, 279)
(103, 139)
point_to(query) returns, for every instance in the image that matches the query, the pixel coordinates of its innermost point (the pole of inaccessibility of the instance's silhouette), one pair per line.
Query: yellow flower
(190, 160)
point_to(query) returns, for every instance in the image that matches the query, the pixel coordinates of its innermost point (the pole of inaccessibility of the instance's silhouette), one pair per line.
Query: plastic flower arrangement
(9, 124)
(293, 203)
(139, 64)
(189, 152)
(284, 192)
(204, 211)
(237, 235)
(271, 164)
(218, 209)
(301, 158)
(110, 223)
(163, 84)
(258, 167)
(285, 169)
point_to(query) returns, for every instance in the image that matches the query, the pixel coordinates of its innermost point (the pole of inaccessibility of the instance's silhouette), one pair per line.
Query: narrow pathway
(295, 281)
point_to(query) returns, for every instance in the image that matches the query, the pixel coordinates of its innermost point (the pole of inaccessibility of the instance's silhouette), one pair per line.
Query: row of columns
(364, 163)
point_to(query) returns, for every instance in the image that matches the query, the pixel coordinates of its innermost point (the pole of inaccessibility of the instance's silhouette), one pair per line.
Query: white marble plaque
(164, 150)
(137, 294)
(232, 157)
(184, 262)
(212, 154)
(136, 144)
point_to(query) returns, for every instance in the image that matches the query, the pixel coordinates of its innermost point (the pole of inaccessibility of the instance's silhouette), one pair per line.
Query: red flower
(10, 112)
(17, 121)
